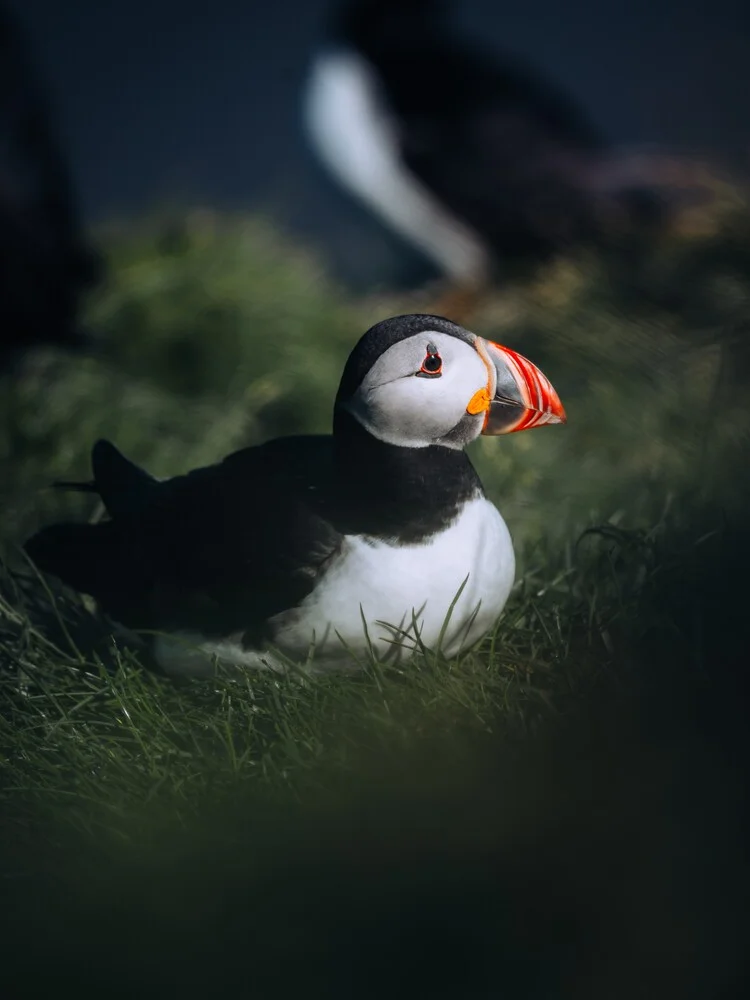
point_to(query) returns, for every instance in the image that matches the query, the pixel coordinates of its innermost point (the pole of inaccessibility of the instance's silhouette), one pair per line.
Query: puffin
(316, 552)
(46, 263)
(483, 167)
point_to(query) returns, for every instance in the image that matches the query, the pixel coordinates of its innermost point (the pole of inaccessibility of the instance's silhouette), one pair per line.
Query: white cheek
(417, 411)
(460, 382)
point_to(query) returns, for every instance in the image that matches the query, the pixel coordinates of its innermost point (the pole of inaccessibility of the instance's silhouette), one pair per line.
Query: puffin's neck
(406, 494)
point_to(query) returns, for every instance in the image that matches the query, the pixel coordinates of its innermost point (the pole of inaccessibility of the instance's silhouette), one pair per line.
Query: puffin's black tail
(121, 484)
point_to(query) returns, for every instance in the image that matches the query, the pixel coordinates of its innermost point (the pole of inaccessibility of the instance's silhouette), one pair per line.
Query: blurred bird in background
(45, 263)
(479, 163)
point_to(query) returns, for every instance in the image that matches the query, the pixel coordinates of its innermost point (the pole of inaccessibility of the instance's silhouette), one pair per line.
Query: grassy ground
(568, 792)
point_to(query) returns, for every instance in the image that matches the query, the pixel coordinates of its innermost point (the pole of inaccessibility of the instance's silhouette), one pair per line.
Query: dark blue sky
(198, 102)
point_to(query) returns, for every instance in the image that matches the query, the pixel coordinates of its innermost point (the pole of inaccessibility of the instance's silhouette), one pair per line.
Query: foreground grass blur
(564, 742)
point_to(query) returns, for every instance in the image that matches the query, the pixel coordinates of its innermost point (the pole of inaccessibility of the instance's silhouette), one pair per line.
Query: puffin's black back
(44, 261)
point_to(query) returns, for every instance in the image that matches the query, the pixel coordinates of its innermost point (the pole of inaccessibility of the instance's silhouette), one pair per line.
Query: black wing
(217, 551)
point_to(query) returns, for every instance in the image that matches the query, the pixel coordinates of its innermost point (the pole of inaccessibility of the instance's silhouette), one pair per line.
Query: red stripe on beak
(524, 396)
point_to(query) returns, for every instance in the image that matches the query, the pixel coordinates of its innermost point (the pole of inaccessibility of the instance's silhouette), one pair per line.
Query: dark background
(174, 102)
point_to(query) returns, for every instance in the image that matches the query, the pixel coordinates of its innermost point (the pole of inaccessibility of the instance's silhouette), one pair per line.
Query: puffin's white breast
(397, 590)
(403, 589)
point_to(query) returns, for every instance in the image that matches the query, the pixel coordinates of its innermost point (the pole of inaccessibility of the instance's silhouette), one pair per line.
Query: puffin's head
(419, 380)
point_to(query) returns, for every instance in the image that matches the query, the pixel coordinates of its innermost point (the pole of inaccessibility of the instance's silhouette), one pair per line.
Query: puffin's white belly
(402, 590)
(396, 590)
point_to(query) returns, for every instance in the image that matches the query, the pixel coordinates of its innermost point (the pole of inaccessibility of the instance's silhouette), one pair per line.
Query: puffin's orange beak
(517, 396)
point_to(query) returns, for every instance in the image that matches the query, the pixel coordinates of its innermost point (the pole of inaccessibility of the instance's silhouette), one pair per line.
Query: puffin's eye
(432, 366)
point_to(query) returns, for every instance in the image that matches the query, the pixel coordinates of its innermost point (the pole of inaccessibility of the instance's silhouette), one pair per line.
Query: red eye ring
(432, 366)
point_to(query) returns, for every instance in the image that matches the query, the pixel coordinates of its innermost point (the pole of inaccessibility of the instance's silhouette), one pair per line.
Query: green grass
(213, 333)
